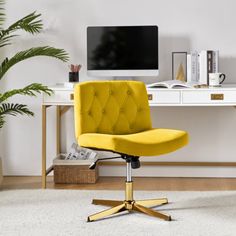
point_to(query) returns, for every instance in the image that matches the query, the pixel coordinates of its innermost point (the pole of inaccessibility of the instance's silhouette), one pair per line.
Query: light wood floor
(117, 183)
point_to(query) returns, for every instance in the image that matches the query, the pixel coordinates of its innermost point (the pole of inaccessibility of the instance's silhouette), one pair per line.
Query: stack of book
(80, 153)
(200, 64)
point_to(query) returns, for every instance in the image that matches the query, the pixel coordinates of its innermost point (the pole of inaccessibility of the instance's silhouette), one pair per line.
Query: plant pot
(1, 174)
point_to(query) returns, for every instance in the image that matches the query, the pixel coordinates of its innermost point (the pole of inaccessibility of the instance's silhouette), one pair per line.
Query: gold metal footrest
(106, 202)
(140, 206)
(106, 213)
(152, 202)
(150, 212)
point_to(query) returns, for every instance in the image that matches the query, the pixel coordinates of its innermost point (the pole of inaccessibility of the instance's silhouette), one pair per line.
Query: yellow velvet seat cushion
(147, 143)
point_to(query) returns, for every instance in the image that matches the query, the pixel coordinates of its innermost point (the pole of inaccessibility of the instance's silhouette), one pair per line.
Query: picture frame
(179, 66)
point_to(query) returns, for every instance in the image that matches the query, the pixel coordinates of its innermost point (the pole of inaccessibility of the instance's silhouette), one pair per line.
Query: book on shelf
(172, 84)
(206, 65)
(192, 67)
(215, 61)
(189, 70)
(199, 65)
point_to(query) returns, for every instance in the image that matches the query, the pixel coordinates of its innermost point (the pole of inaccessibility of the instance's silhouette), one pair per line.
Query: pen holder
(73, 76)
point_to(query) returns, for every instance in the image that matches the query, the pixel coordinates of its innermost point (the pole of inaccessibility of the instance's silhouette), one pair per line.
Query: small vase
(1, 174)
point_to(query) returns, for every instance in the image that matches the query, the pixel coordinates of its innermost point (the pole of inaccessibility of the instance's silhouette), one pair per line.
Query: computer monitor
(122, 51)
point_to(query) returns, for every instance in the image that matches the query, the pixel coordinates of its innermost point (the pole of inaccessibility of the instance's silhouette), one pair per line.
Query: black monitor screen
(122, 48)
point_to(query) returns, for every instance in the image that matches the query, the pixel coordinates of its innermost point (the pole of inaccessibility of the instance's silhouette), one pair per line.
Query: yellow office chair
(115, 116)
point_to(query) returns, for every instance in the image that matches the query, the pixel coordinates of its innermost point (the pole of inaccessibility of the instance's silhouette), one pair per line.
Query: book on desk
(173, 84)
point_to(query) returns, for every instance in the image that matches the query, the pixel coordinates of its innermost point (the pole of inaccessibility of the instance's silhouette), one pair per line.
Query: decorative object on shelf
(74, 73)
(216, 79)
(31, 24)
(180, 74)
(179, 66)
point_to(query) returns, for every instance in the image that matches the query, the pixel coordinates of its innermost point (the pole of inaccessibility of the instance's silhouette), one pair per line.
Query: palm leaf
(30, 23)
(30, 90)
(13, 110)
(1, 121)
(4, 41)
(2, 16)
(32, 52)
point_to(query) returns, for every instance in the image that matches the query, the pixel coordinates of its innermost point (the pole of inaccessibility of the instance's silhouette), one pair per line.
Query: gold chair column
(129, 183)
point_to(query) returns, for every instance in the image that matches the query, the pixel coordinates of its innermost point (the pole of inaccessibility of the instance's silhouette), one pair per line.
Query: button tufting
(128, 92)
(119, 110)
(122, 109)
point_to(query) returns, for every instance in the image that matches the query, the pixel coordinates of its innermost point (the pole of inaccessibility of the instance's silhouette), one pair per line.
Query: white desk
(220, 96)
(63, 100)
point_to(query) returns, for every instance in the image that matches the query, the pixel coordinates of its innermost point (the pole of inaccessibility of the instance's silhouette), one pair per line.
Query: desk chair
(115, 116)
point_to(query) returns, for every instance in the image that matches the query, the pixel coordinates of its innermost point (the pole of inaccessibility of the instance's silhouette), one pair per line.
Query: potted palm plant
(31, 24)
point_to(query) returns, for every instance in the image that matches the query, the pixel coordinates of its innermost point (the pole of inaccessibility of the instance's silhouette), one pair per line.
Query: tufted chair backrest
(111, 107)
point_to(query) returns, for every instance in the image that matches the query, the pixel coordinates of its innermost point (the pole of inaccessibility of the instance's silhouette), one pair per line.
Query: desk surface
(212, 96)
(60, 86)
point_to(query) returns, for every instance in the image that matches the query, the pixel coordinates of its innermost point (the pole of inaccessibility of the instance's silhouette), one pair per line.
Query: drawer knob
(150, 97)
(217, 96)
(71, 96)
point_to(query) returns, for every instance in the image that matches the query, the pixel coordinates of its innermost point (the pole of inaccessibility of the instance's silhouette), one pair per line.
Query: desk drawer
(59, 97)
(163, 97)
(209, 97)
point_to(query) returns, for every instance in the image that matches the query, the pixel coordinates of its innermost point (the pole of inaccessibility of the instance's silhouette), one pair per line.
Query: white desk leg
(58, 130)
(44, 143)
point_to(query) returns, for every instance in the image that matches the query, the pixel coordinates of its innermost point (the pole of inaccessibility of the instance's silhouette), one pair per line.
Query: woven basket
(74, 174)
(73, 171)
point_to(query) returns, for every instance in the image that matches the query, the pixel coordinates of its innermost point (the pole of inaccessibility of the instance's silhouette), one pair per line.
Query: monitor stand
(123, 78)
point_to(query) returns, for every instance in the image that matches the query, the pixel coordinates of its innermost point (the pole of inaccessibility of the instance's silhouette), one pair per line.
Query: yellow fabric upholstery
(147, 143)
(111, 107)
(115, 115)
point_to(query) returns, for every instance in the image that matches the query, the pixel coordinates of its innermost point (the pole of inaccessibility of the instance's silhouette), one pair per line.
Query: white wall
(183, 25)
